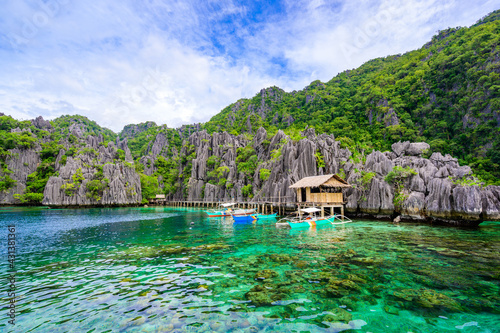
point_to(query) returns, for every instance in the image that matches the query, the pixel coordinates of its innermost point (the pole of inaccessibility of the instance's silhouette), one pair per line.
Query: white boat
(226, 209)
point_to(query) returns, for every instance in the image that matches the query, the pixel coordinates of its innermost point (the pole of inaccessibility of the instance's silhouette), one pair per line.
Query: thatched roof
(317, 181)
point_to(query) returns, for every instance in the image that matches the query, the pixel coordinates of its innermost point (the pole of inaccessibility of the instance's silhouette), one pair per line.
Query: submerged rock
(428, 298)
(338, 314)
(265, 274)
(264, 295)
(391, 309)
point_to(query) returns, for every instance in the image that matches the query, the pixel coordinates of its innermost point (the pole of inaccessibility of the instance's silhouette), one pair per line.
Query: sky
(179, 62)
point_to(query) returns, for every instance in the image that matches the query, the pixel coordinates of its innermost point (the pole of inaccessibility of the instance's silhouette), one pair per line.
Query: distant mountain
(446, 93)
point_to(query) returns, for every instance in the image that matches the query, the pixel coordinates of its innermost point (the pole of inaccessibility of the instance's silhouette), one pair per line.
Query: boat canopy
(311, 210)
(228, 204)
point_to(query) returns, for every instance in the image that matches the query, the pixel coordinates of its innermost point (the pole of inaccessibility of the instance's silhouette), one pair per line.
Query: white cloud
(175, 62)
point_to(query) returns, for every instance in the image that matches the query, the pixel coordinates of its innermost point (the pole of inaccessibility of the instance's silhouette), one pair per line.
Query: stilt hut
(323, 191)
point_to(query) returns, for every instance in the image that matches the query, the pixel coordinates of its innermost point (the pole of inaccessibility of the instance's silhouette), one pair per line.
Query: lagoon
(175, 270)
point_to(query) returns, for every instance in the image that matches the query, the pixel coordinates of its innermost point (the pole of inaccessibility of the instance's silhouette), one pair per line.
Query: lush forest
(446, 93)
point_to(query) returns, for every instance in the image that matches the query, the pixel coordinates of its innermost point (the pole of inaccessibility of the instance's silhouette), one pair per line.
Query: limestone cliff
(433, 193)
(95, 177)
(70, 163)
(21, 162)
(82, 169)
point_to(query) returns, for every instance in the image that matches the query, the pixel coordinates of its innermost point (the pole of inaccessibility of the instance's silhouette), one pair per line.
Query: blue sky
(179, 62)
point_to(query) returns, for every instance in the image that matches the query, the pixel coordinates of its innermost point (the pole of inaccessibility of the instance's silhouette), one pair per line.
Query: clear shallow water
(150, 270)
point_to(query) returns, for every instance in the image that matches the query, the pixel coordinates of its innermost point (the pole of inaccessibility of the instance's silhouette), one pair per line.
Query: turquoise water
(152, 270)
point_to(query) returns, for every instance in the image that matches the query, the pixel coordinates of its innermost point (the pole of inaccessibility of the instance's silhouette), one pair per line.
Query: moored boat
(312, 220)
(265, 216)
(244, 218)
(226, 209)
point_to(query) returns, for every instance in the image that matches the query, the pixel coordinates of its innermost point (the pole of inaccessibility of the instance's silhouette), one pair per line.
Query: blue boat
(244, 218)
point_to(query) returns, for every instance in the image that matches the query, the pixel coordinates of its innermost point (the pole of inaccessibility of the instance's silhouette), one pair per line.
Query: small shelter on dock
(323, 191)
(158, 199)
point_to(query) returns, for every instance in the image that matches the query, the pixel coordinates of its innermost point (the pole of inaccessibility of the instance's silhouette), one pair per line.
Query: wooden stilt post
(342, 212)
(279, 203)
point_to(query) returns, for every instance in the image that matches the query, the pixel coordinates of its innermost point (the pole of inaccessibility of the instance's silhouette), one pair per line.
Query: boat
(226, 209)
(312, 220)
(244, 218)
(265, 216)
(252, 217)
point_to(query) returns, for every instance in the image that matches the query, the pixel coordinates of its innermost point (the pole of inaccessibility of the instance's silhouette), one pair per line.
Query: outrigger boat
(312, 220)
(244, 219)
(265, 216)
(252, 217)
(226, 209)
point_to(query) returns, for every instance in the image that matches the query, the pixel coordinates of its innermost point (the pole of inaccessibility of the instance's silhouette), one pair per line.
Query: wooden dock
(262, 207)
(324, 191)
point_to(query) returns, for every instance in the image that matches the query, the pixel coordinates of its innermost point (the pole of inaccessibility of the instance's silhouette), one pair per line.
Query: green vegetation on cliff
(88, 127)
(66, 133)
(447, 93)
